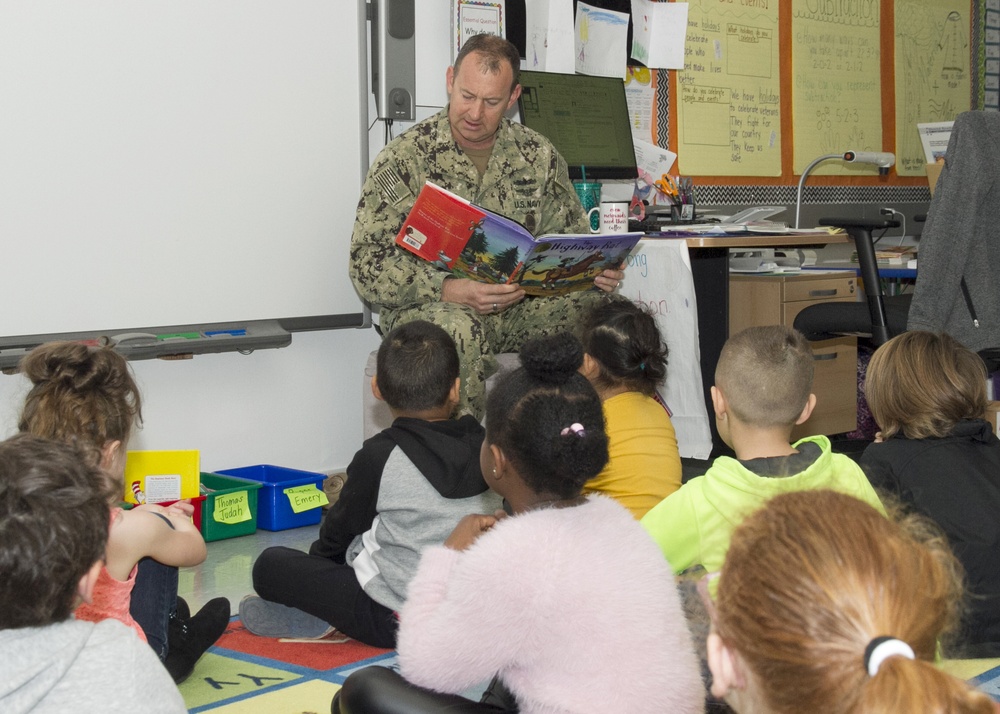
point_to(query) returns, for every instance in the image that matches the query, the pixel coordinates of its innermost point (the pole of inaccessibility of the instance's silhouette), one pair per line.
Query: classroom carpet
(257, 675)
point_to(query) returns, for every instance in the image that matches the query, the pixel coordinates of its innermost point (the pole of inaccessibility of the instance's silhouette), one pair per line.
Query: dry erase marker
(226, 333)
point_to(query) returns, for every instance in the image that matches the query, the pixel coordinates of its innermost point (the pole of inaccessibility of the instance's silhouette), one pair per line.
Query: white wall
(299, 406)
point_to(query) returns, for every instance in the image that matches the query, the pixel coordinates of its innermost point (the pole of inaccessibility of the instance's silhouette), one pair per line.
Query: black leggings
(378, 690)
(324, 589)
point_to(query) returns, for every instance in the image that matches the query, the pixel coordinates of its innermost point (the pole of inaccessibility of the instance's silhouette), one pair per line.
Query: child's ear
(375, 390)
(807, 410)
(454, 394)
(499, 461)
(725, 667)
(109, 452)
(590, 367)
(719, 405)
(85, 588)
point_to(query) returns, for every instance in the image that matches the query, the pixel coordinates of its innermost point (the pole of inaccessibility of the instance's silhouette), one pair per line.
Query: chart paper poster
(658, 30)
(600, 41)
(836, 85)
(729, 113)
(476, 17)
(933, 75)
(550, 39)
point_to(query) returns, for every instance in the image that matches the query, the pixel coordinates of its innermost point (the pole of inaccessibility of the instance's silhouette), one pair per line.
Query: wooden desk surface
(760, 240)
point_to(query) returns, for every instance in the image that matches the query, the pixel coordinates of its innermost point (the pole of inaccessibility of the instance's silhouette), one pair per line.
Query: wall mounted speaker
(394, 74)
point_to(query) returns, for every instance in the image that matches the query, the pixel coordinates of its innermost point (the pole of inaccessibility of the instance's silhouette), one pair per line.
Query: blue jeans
(154, 598)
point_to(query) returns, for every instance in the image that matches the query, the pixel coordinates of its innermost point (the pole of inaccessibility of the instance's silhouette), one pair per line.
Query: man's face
(478, 100)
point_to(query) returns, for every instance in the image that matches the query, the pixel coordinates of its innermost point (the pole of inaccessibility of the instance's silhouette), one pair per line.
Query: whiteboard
(177, 161)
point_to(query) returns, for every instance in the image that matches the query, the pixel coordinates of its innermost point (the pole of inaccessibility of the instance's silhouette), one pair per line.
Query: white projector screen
(174, 162)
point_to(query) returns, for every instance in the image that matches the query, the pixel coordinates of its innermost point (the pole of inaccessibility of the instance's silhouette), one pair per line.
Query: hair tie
(882, 648)
(642, 366)
(575, 428)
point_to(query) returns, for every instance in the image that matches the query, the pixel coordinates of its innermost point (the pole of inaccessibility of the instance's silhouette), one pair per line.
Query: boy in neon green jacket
(762, 390)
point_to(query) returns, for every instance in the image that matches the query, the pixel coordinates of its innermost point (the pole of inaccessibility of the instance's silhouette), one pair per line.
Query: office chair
(959, 260)
(880, 317)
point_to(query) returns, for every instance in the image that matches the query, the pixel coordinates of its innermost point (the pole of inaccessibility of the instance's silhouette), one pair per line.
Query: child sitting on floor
(87, 396)
(625, 360)
(53, 531)
(566, 602)
(824, 605)
(762, 391)
(406, 489)
(938, 454)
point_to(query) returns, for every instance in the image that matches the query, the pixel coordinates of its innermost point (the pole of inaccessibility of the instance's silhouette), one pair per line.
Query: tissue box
(288, 498)
(159, 476)
(230, 507)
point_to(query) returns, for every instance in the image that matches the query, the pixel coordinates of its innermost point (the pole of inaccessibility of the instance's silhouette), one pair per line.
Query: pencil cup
(590, 196)
(684, 213)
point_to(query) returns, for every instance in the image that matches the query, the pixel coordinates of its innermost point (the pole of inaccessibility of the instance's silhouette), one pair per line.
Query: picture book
(473, 242)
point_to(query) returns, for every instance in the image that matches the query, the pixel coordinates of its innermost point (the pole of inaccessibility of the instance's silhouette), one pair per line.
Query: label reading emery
(304, 498)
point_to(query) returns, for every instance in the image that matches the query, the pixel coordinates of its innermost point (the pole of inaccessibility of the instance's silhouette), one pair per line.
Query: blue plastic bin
(274, 511)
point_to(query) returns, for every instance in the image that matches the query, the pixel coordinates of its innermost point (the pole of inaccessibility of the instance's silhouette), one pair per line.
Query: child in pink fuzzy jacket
(567, 602)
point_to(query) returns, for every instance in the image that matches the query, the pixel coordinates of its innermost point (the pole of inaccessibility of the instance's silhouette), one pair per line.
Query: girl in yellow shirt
(625, 360)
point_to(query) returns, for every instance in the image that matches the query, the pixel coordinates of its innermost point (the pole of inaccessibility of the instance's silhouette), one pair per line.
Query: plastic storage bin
(275, 512)
(228, 500)
(197, 502)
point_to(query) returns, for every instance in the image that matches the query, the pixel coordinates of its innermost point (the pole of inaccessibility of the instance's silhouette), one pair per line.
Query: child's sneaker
(189, 637)
(269, 619)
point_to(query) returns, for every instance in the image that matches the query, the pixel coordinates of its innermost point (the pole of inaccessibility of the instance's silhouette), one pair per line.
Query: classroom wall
(299, 406)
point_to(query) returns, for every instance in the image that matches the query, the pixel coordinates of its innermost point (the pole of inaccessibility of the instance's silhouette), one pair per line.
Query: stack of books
(892, 255)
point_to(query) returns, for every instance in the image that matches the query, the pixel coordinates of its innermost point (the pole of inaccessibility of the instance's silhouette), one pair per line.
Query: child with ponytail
(825, 605)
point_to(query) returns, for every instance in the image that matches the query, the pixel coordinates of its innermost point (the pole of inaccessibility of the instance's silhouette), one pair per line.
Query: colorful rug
(257, 675)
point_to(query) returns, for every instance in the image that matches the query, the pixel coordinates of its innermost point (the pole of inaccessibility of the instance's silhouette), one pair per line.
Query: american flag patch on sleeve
(392, 186)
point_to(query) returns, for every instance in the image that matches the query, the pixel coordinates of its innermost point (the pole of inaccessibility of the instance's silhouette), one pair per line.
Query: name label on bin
(232, 508)
(304, 498)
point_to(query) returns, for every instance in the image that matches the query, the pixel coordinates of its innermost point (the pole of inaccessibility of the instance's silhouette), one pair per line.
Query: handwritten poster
(836, 85)
(933, 75)
(729, 115)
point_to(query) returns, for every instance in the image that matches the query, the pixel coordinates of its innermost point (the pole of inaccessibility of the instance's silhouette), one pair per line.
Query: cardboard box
(158, 476)
(289, 498)
(230, 508)
(933, 171)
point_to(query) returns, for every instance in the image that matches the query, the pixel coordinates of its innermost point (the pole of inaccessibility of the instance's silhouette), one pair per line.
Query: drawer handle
(825, 356)
(822, 293)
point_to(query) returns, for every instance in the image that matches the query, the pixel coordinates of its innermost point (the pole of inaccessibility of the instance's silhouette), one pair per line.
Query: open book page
(475, 243)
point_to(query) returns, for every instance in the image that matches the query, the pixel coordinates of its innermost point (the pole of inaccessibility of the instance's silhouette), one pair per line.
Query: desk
(685, 283)
(895, 274)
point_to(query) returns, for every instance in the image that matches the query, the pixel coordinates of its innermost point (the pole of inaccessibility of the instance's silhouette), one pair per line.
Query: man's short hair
(416, 366)
(766, 375)
(492, 50)
(54, 519)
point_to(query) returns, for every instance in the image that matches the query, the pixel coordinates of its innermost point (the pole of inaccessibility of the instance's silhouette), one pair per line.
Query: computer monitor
(586, 118)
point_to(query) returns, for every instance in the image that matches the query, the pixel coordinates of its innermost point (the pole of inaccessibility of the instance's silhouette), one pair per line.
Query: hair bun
(553, 359)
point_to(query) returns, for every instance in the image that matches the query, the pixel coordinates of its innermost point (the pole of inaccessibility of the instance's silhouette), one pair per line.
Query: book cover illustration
(472, 242)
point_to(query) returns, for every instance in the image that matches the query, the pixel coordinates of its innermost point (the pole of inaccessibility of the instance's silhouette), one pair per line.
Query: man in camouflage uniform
(471, 149)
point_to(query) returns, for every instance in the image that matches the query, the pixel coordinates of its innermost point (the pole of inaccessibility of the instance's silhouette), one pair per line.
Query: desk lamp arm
(802, 181)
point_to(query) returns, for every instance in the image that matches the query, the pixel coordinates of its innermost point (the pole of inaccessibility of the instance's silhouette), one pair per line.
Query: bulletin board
(770, 86)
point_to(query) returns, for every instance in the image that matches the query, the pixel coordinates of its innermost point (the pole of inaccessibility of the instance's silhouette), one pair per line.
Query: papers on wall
(640, 95)
(729, 108)
(658, 31)
(475, 17)
(600, 41)
(836, 75)
(933, 75)
(550, 40)
(934, 138)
